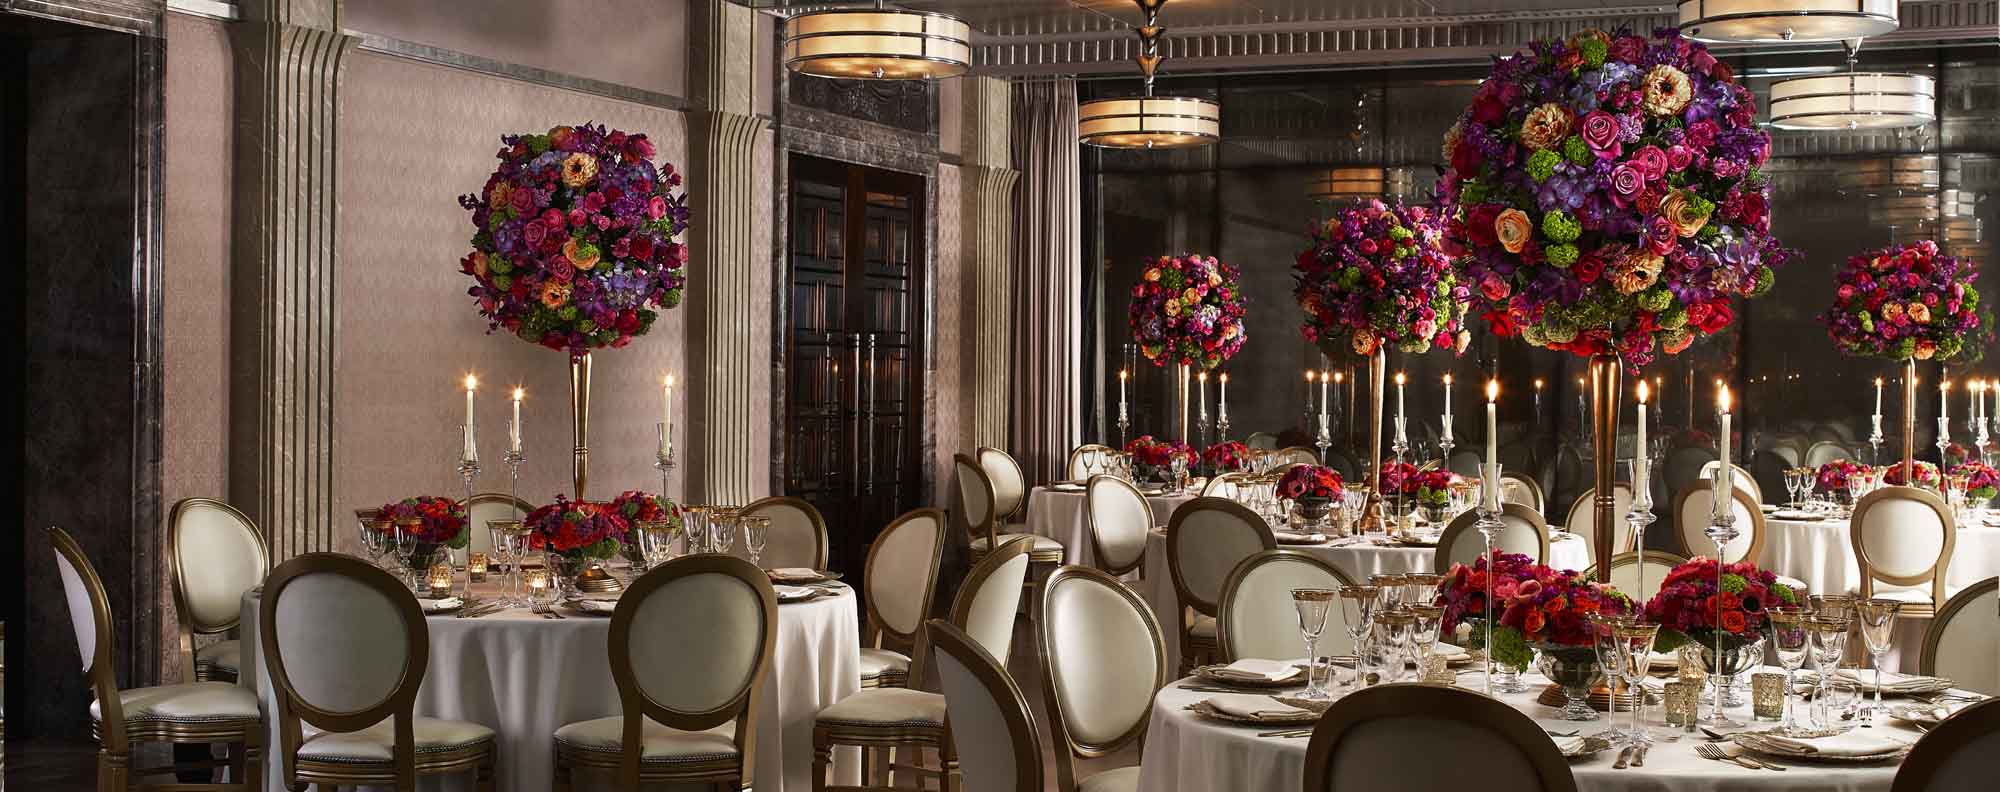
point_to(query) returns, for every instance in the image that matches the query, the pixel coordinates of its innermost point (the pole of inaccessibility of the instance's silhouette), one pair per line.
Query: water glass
(407, 535)
(1792, 484)
(1420, 588)
(1791, 642)
(1391, 588)
(694, 521)
(1635, 656)
(722, 530)
(1312, 606)
(1392, 637)
(376, 534)
(756, 531)
(1424, 630)
(1877, 618)
(1357, 611)
(1828, 636)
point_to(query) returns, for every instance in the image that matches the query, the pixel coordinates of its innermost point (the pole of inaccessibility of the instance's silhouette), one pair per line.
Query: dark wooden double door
(853, 355)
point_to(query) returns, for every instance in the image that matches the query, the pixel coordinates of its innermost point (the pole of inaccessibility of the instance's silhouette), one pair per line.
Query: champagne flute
(406, 546)
(756, 531)
(1792, 484)
(695, 527)
(1312, 606)
(1791, 642)
(1878, 626)
(1424, 631)
(1357, 610)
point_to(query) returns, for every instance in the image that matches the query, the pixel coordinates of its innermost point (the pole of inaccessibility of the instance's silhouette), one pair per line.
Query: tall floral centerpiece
(574, 247)
(1606, 193)
(1188, 310)
(1377, 277)
(1908, 303)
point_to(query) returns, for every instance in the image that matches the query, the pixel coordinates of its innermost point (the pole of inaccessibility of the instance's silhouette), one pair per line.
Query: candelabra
(1123, 426)
(663, 460)
(468, 469)
(1943, 445)
(1222, 427)
(1721, 530)
(1401, 445)
(1445, 445)
(1489, 527)
(1325, 438)
(1875, 439)
(1201, 426)
(1979, 438)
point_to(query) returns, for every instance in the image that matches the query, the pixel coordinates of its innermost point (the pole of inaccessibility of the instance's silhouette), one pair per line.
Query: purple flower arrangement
(1376, 275)
(1188, 310)
(1832, 477)
(1695, 604)
(1606, 196)
(1982, 482)
(574, 245)
(1902, 302)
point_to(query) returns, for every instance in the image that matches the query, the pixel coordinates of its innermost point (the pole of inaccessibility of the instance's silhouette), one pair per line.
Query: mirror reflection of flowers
(1691, 608)
(1536, 605)
(577, 529)
(1310, 481)
(1228, 455)
(1188, 310)
(1434, 487)
(635, 506)
(1982, 482)
(1902, 302)
(1146, 450)
(443, 520)
(1833, 476)
(574, 245)
(1898, 475)
(1376, 276)
(1607, 195)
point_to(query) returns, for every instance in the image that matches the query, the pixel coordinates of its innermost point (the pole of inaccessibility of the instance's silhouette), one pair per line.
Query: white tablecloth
(1357, 560)
(1187, 753)
(1058, 515)
(524, 676)
(1821, 553)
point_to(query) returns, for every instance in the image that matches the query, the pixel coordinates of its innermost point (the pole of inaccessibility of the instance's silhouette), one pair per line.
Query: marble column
(289, 57)
(987, 260)
(728, 365)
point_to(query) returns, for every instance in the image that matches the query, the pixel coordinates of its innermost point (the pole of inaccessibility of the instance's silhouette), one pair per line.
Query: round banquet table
(1357, 557)
(524, 676)
(1057, 513)
(1185, 752)
(1821, 553)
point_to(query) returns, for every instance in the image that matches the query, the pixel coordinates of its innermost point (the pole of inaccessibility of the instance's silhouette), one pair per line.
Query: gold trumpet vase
(1605, 371)
(579, 420)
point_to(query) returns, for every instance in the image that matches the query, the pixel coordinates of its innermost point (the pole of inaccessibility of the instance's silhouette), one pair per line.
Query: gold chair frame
(191, 669)
(1757, 529)
(877, 630)
(1407, 698)
(1189, 605)
(1465, 521)
(1934, 576)
(1225, 653)
(992, 675)
(1069, 463)
(812, 514)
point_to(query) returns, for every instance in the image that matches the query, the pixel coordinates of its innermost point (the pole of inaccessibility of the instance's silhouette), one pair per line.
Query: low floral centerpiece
(1154, 458)
(1904, 302)
(1227, 456)
(1400, 480)
(1188, 310)
(1312, 489)
(1608, 195)
(574, 534)
(1699, 604)
(1376, 276)
(1434, 490)
(432, 520)
(642, 510)
(1538, 608)
(1982, 482)
(1898, 475)
(1832, 477)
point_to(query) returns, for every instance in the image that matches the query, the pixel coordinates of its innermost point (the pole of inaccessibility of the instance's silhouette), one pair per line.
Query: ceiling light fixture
(1350, 183)
(1853, 99)
(1775, 21)
(878, 43)
(1149, 121)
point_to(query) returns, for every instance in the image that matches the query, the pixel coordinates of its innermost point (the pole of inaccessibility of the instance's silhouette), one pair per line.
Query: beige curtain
(1046, 409)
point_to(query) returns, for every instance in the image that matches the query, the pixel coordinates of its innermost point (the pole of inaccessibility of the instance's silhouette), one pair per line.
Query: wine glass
(1806, 486)
(1792, 484)
(1420, 588)
(1635, 657)
(1392, 632)
(1391, 588)
(694, 521)
(756, 531)
(1791, 642)
(1357, 611)
(1179, 467)
(1604, 639)
(375, 534)
(1312, 606)
(1828, 635)
(1424, 630)
(722, 530)
(406, 546)
(1878, 624)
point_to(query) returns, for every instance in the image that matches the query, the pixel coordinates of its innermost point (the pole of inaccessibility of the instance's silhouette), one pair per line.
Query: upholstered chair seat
(883, 664)
(223, 656)
(886, 707)
(1123, 779)
(376, 743)
(198, 702)
(657, 743)
(1203, 627)
(1041, 549)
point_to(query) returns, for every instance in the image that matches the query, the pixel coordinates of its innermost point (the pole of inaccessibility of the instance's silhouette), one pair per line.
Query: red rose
(1733, 621)
(1465, 159)
(1488, 110)
(1479, 225)
(1587, 268)
(1719, 316)
(628, 321)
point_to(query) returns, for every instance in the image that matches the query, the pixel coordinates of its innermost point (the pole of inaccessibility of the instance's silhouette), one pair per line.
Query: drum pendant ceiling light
(1771, 21)
(1149, 121)
(1853, 99)
(877, 43)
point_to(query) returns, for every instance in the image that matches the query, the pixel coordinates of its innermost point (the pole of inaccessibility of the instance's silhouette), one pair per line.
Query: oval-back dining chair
(980, 511)
(689, 708)
(899, 584)
(1692, 517)
(217, 554)
(486, 507)
(1010, 486)
(1582, 519)
(1521, 488)
(1739, 477)
(1960, 643)
(1088, 460)
(1461, 543)
(1206, 538)
(992, 733)
(1393, 732)
(1294, 455)
(1102, 661)
(1903, 539)
(346, 648)
(1825, 451)
(1962, 753)
(1256, 618)
(798, 533)
(1119, 519)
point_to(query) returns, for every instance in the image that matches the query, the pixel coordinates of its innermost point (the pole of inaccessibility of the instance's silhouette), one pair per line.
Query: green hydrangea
(499, 265)
(1971, 297)
(1765, 277)
(1400, 233)
(1594, 52)
(1561, 255)
(1533, 335)
(1561, 226)
(1350, 277)
(1675, 318)
(1948, 347)
(567, 313)
(586, 326)
(1402, 252)
(538, 143)
(1542, 164)
(503, 282)
(1510, 649)
(1472, 192)
(1656, 299)
(1905, 348)
(1675, 337)
(1559, 331)
(1866, 320)
(1576, 151)
(1784, 593)
(1732, 584)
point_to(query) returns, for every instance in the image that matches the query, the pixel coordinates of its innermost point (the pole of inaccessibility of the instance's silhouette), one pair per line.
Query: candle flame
(1447, 380)
(1722, 399)
(1311, 376)
(1203, 377)
(1944, 385)
(1225, 377)
(1493, 390)
(471, 382)
(1878, 382)
(669, 380)
(1399, 379)
(1121, 375)
(1644, 391)
(1538, 383)
(519, 392)
(1338, 375)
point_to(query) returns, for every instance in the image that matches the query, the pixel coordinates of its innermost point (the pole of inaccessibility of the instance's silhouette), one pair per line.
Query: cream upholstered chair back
(1103, 658)
(1256, 618)
(1394, 731)
(798, 533)
(217, 555)
(1089, 460)
(1959, 754)
(694, 685)
(1960, 643)
(1823, 452)
(1524, 533)
(902, 572)
(998, 747)
(1739, 477)
(1521, 488)
(1224, 485)
(1626, 568)
(486, 507)
(1010, 487)
(1681, 470)
(1903, 539)
(1207, 538)
(1262, 441)
(1119, 518)
(986, 603)
(345, 642)
(1582, 519)
(975, 499)
(1692, 512)
(89, 611)
(1294, 455)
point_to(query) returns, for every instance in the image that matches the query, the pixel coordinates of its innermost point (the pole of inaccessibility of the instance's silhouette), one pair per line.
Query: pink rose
(1628, 49)
(1494, 288)
(1626, 183)
(552, 217)
(1367, 247)
(1660, 235)
(1845, 292)
(1679, 158)
(1600, 132)
(534, 232)
(1652, 161)
(656, 208)
(1702, 61)
(576, 218)
(1701, 134)
(522, 200)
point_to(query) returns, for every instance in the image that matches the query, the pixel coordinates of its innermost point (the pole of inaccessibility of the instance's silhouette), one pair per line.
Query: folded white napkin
(1891, 680)
(1794, 514)
(1449, 650)
(1850, 743)
(1298, 536)
(594, 605)
(1569, 746)
(788, 593)
(1255, 670)
(1252, 706)
(445, 604)
(795, 573)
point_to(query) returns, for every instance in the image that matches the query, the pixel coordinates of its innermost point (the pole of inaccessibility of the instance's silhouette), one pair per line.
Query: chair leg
(560, 780)
(253, 765)
(822, 757)
(113, 772)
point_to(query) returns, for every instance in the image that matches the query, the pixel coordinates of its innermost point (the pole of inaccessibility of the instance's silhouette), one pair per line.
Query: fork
(1715, 752)
(1287, 733)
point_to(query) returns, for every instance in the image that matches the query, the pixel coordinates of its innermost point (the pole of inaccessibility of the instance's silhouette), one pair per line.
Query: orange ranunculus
(1513, 228)
(1532, 622)
(1681, 212)
(1545, 126)
(1556, 605)
(1733, 621)
(1667, 90)
(555, 294)
(579, 169)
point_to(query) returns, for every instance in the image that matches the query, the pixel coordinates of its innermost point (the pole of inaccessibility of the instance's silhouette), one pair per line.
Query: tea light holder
(441, 579)
(1437, 672)
(1682, 702)
(537, 581)
(1767, 695)
(475, 567)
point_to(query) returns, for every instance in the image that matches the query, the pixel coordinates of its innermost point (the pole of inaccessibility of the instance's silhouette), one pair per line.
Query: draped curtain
(1048, 282)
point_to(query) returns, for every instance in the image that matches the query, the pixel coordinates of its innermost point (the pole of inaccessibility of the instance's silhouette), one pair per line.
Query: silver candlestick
(1875, 439)
(1325, 438)
(1123, 426)
(1222, 427)
(663, 460)
(1489, 527)
(1943, 445)
(468, 469)
(1721, 530)
(1445, 444)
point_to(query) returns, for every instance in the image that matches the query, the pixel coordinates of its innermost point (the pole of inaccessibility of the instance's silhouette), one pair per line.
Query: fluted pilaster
(988, 259)
(289, 60)
(727, 360)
